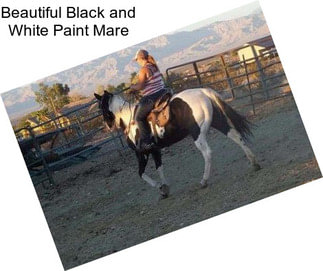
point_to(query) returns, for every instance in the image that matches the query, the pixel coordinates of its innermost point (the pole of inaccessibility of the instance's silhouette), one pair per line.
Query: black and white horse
(192, 112)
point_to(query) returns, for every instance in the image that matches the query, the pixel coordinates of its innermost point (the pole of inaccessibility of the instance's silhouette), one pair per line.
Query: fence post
(79, 123)
(249, 88)
(261, 73)
(197, 74)
(79, 128)
(58, 126)
(227, 75)
(40, 153)
(167, 78)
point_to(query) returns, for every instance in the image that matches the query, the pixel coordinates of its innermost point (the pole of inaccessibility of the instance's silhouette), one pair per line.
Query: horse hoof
(203, 185)
(161, 197)
(164, 191)
(256, 167)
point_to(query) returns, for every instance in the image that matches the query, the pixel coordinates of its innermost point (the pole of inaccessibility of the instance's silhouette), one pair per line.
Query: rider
(150, 87)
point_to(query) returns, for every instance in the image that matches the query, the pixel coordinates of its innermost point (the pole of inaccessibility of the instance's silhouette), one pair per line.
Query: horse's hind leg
(164, 188)
(202, 145)
(236, 137)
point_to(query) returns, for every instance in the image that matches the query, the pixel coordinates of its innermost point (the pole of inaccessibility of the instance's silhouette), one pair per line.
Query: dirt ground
(102, 206)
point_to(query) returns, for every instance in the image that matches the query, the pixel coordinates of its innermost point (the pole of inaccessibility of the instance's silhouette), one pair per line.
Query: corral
(100, 205)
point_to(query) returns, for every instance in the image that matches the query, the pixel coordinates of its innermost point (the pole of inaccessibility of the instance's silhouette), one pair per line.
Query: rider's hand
(131, 90)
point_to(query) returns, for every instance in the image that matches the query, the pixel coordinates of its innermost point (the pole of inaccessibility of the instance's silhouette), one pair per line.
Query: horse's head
(105, 105)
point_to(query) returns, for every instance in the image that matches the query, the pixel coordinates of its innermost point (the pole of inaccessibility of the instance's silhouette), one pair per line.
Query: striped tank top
(154, 83)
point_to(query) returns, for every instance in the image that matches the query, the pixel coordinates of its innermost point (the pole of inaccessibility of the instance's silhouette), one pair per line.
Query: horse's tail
(234, 119)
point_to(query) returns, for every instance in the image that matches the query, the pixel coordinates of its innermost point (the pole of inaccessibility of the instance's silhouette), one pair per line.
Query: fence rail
(53, 144)
(244, 82)
(260, 76)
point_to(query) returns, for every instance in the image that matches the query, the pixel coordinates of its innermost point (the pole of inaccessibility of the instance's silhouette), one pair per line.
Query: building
(255, 48)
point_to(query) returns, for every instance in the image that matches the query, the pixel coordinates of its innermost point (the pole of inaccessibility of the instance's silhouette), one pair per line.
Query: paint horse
(192, 113)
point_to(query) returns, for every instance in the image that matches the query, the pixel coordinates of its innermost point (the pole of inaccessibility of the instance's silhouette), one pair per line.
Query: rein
(121, 91)
(126, 131)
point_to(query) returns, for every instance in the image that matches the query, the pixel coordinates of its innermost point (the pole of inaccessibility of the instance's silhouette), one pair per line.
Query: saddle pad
(163, 117)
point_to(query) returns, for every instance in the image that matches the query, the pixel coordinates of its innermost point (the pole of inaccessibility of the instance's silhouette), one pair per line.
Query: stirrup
(147, 146)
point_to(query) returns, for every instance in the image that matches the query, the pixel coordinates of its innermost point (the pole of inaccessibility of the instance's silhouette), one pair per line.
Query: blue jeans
(145, 106)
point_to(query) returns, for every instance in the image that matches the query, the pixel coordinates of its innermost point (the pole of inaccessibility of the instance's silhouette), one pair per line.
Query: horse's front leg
(142, 160)
(164, 188)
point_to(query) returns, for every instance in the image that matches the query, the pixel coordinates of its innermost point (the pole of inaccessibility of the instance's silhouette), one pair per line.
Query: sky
(229, 15)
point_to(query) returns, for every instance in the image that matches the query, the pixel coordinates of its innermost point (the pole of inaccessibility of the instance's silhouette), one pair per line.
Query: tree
(40, 115)
(99, 89)
(76, 97)
(111, 88)
(133, 78)
(53, 97)
(120, 86)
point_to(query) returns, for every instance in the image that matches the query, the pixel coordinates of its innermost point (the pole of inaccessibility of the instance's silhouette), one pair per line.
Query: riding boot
(146, 143)
(147, 146)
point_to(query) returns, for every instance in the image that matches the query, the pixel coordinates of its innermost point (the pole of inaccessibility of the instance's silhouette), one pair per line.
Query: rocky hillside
(169, 50)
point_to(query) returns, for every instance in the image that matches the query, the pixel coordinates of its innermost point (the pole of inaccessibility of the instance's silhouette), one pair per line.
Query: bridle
(111, 115)
(126, 131)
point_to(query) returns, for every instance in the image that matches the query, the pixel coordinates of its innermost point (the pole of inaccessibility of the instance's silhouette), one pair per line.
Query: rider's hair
(152, 61)
(143, 54)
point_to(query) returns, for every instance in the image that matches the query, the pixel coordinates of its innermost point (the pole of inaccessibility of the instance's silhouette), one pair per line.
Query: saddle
(160, 114)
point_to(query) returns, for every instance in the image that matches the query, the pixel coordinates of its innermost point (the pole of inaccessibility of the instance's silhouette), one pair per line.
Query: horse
(192, 113)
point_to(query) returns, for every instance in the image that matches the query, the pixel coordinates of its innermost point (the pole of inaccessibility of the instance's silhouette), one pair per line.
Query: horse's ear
(98, 96)
(108, 93)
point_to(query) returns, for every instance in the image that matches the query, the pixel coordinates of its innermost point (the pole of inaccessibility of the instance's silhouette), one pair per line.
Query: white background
(283, 232)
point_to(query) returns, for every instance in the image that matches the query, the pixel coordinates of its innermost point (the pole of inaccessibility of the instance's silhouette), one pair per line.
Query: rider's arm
(141, 80)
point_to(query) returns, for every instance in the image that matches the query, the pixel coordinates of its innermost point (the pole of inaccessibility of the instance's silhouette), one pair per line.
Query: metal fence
(243, 82)
(75, 135)
(64, 140)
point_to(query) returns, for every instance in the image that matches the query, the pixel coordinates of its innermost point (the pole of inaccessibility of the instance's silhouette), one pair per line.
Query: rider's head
(142, 57)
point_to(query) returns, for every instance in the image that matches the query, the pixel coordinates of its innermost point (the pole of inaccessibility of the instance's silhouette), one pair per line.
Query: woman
(150, 86)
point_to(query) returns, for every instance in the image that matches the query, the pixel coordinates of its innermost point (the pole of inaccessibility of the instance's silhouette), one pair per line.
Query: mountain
(170, 49)
(20, 101)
